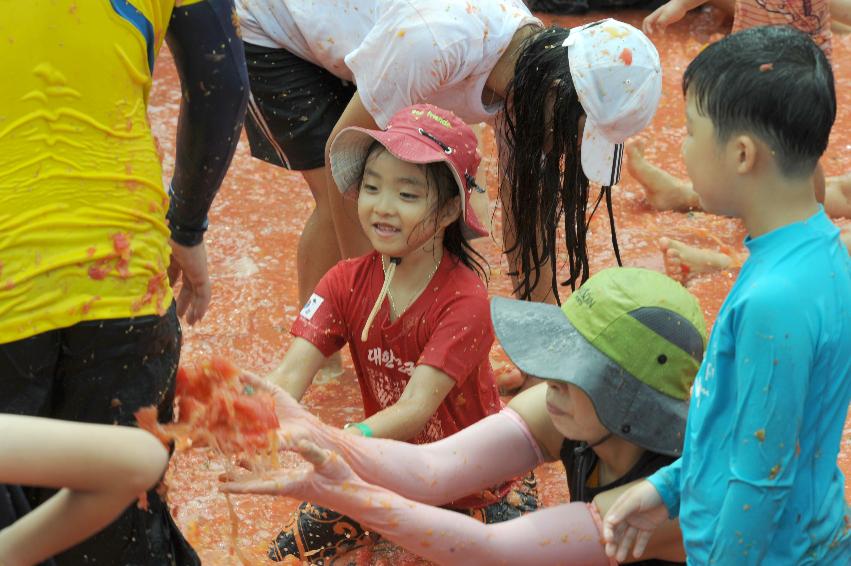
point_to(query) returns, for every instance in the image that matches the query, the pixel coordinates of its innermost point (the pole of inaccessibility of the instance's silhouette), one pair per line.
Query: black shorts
(293, 108)
(100, 372)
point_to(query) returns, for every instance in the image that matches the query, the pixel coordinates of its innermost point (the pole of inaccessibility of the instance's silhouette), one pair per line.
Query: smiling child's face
(396, 205)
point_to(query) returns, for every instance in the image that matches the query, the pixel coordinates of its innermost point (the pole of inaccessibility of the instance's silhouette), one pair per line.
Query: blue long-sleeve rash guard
(210, 61)
(758, 482)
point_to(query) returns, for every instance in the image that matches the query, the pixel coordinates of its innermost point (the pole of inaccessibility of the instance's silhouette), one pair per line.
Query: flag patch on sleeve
(311, 306)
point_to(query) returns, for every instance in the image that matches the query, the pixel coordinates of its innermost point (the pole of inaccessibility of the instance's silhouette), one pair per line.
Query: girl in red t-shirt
(421, 355)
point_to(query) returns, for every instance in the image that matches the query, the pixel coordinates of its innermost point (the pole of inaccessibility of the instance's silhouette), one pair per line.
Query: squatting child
(414, 312)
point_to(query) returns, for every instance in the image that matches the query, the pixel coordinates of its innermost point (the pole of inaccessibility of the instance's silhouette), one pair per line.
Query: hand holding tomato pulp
(214, 407)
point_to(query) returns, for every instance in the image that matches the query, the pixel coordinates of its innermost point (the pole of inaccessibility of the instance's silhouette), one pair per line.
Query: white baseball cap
(618, 78)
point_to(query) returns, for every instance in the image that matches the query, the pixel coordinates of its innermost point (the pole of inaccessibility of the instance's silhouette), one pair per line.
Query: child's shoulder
(810, 294)
(771, 291)
(356, 264)
(462, 279)
(797, 263)
(353, 271)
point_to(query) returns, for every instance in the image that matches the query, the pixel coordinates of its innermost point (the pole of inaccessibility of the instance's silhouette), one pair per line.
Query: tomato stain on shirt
(155, 293)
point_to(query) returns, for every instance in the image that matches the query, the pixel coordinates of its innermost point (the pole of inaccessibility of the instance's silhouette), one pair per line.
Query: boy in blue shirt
(758, 481)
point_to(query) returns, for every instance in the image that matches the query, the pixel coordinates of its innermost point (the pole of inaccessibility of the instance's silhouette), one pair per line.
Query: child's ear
(744, 149)
(450, 213)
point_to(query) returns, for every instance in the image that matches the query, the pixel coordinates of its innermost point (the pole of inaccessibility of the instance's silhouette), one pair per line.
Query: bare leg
(317, 249)
(664, 191)
(510, 380)
(353, 242)
(682, 260)
(350, 237)
(480, 202)
(837, 201)
(542, 293)
(317, 253)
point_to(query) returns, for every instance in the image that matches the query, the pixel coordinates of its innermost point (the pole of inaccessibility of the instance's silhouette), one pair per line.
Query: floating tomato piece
(193, 383)
(147, 419)
(223, 369)
(215, 408)
(257, 410)
(189, 408)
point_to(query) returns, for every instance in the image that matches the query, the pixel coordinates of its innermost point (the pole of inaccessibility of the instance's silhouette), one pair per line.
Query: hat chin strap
(388, 277)
(585, 446)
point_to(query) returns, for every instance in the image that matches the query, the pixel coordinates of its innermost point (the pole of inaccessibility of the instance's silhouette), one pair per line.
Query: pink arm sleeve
(566, 534)
(466, 462)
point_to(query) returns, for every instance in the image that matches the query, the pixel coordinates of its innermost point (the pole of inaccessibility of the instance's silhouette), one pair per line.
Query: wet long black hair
(541, 188)
(440, 178)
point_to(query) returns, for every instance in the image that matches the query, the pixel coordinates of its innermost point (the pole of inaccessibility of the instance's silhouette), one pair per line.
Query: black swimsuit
(579, 461)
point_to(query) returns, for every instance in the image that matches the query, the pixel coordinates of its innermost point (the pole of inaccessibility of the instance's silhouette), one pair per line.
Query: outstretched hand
(288, 409)
(669, 13)
(327, 476)
(297, 423)
(189, 265)
(632, 520)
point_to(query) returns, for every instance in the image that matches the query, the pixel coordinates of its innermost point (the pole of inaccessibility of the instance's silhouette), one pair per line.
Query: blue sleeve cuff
(669, 491)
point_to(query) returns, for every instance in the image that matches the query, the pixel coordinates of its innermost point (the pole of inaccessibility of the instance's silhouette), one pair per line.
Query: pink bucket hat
(417, 134)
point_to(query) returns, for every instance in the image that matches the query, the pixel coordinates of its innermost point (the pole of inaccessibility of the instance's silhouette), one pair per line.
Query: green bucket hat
(632, 339)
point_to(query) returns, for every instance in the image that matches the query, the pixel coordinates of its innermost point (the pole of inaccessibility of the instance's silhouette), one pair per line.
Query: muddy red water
(255, 224)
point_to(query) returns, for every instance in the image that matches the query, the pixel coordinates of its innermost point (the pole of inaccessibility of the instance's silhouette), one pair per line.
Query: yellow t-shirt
(82, 205)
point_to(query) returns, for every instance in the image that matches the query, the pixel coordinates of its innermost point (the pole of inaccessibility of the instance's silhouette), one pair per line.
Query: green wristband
(362, 427)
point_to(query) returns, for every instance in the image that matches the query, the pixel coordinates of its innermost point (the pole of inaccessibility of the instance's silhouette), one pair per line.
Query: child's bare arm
(298, 368)
(565, 534)
(531, 405)
(102, 468)
(468, 461)
(667, 14)
(422, 396)
(431, 472)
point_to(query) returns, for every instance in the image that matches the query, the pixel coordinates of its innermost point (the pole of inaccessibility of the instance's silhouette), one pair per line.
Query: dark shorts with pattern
(293, 108)
(322, 537)
(99, 372)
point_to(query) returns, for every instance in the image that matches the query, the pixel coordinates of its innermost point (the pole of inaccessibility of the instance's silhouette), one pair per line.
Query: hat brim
(541, 341)
(349, 151)
(601, 158)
